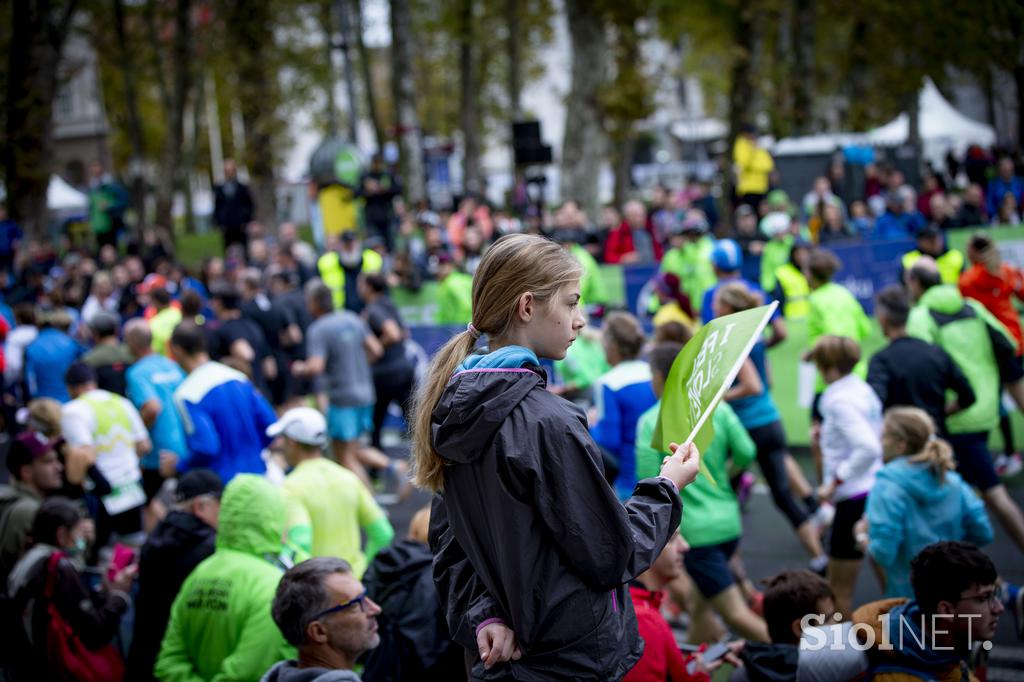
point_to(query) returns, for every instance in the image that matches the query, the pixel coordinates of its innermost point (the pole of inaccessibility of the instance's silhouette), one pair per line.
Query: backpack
(68, 657)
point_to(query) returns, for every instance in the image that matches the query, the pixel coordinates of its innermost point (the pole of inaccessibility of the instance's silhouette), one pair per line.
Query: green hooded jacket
(975, 340)
(691, 263)
(221, 628)
(455, 299)
(835, 311)
(592, 290)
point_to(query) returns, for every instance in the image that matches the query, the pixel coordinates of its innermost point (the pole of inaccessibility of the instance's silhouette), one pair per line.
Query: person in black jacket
(180, 541)
(49, 573)
(414, 639)
(532, 549)
(232, 206)
(913, 372)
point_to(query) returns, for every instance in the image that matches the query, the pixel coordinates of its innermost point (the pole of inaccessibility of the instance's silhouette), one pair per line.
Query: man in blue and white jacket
(225, 417)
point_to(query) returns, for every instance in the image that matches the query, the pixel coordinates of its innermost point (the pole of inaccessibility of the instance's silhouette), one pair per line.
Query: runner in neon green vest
(332, 267)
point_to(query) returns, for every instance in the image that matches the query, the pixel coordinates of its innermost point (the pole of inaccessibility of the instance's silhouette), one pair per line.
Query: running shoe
(1009, 465)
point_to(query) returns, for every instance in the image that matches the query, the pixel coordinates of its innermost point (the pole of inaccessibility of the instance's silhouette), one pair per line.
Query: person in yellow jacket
(930, 242)
(454, 293)
(341, 266)
(753, 165)
(792, 290)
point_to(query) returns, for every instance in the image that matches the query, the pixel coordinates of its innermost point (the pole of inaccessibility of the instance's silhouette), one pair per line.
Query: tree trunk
(1018, 79)
(368, 87)
(803, 76)
(515, 67)
(622, 162)
(327, 26)
(410, 142)
(136, 174)
(583, 145)
(515, 75)
(858, 77)
(345, 25)
(175, 99)
(251, 35)
(741, 86)
(781, 101)
(33, 60)
(469, 114)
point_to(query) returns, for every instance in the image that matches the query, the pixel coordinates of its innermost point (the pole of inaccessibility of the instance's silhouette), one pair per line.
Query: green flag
(700, 376)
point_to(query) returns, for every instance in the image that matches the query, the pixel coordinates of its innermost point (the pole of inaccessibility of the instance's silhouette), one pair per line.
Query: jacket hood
(178, 532)
(475, 404)
(507, 357)
(405, 558)
(289, 671)
(944, 298)
(916, 478)
(766, 662)
(252, 516)
(904, 625)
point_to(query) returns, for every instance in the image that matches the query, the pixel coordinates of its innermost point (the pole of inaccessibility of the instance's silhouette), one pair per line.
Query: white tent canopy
(942, 128)
(60, 196)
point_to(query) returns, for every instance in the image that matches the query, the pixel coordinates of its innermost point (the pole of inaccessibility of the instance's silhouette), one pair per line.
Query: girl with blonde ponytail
(918, 498)
(531, 546)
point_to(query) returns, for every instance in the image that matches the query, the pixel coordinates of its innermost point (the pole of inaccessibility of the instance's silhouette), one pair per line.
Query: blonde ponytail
(428, 467)
(916, 429)
(512, 266)
(937, 454)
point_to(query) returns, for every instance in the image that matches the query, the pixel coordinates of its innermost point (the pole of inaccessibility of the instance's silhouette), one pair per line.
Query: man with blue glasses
(322, 609)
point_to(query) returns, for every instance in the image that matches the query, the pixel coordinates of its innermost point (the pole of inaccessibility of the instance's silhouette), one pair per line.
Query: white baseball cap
(301, 424)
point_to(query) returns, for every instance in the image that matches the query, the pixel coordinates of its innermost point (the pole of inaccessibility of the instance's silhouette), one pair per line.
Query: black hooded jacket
(528, 531)
(175, 547)
(414, 639)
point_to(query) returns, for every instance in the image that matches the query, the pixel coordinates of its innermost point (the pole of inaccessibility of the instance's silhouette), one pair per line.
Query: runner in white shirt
(105, 429)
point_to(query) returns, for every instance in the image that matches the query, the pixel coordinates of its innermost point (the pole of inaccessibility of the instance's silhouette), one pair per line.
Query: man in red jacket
(633, 241)
(662, 659)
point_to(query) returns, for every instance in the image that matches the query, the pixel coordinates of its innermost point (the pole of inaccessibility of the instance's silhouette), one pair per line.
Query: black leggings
(388, 391)
(771, 457)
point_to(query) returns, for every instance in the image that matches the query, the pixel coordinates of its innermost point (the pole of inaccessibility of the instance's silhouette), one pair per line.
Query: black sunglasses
(360, 601)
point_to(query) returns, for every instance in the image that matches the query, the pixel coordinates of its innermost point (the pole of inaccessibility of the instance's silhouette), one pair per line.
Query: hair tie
(932, 438)
(473, 330)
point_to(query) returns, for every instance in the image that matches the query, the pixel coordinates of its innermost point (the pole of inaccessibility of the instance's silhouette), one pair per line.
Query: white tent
(941, 125)
(60, 196)
(942, 128)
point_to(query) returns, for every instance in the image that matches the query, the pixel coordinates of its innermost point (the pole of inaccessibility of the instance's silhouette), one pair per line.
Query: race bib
(124, 497)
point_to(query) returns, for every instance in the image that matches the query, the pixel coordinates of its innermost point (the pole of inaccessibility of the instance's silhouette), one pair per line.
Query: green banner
(701, 375)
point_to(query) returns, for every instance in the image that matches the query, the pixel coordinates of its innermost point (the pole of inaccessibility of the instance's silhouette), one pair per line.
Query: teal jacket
(221, 628)
(909, 508)
(976, 341)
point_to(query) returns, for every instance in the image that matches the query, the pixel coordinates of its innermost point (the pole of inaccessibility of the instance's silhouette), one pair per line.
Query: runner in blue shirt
(152, 381)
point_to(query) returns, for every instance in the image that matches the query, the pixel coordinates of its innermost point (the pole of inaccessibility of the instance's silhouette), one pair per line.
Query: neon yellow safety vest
(333, 274)
(950, 264)
(796, 290)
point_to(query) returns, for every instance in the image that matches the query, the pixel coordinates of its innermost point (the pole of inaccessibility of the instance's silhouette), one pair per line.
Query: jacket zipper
(615, 602)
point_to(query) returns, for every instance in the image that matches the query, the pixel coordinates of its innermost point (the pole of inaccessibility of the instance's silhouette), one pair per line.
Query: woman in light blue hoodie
(918, 499)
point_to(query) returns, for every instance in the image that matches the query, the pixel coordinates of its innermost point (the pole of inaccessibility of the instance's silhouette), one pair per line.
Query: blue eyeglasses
(360, 601)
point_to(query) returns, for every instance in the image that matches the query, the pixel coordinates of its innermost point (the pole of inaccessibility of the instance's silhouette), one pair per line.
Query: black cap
(349, 236)
(929, 231)
(79, 374)
(198, 482)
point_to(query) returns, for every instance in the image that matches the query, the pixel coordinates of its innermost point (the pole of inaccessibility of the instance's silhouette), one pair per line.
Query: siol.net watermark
(861, 636)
